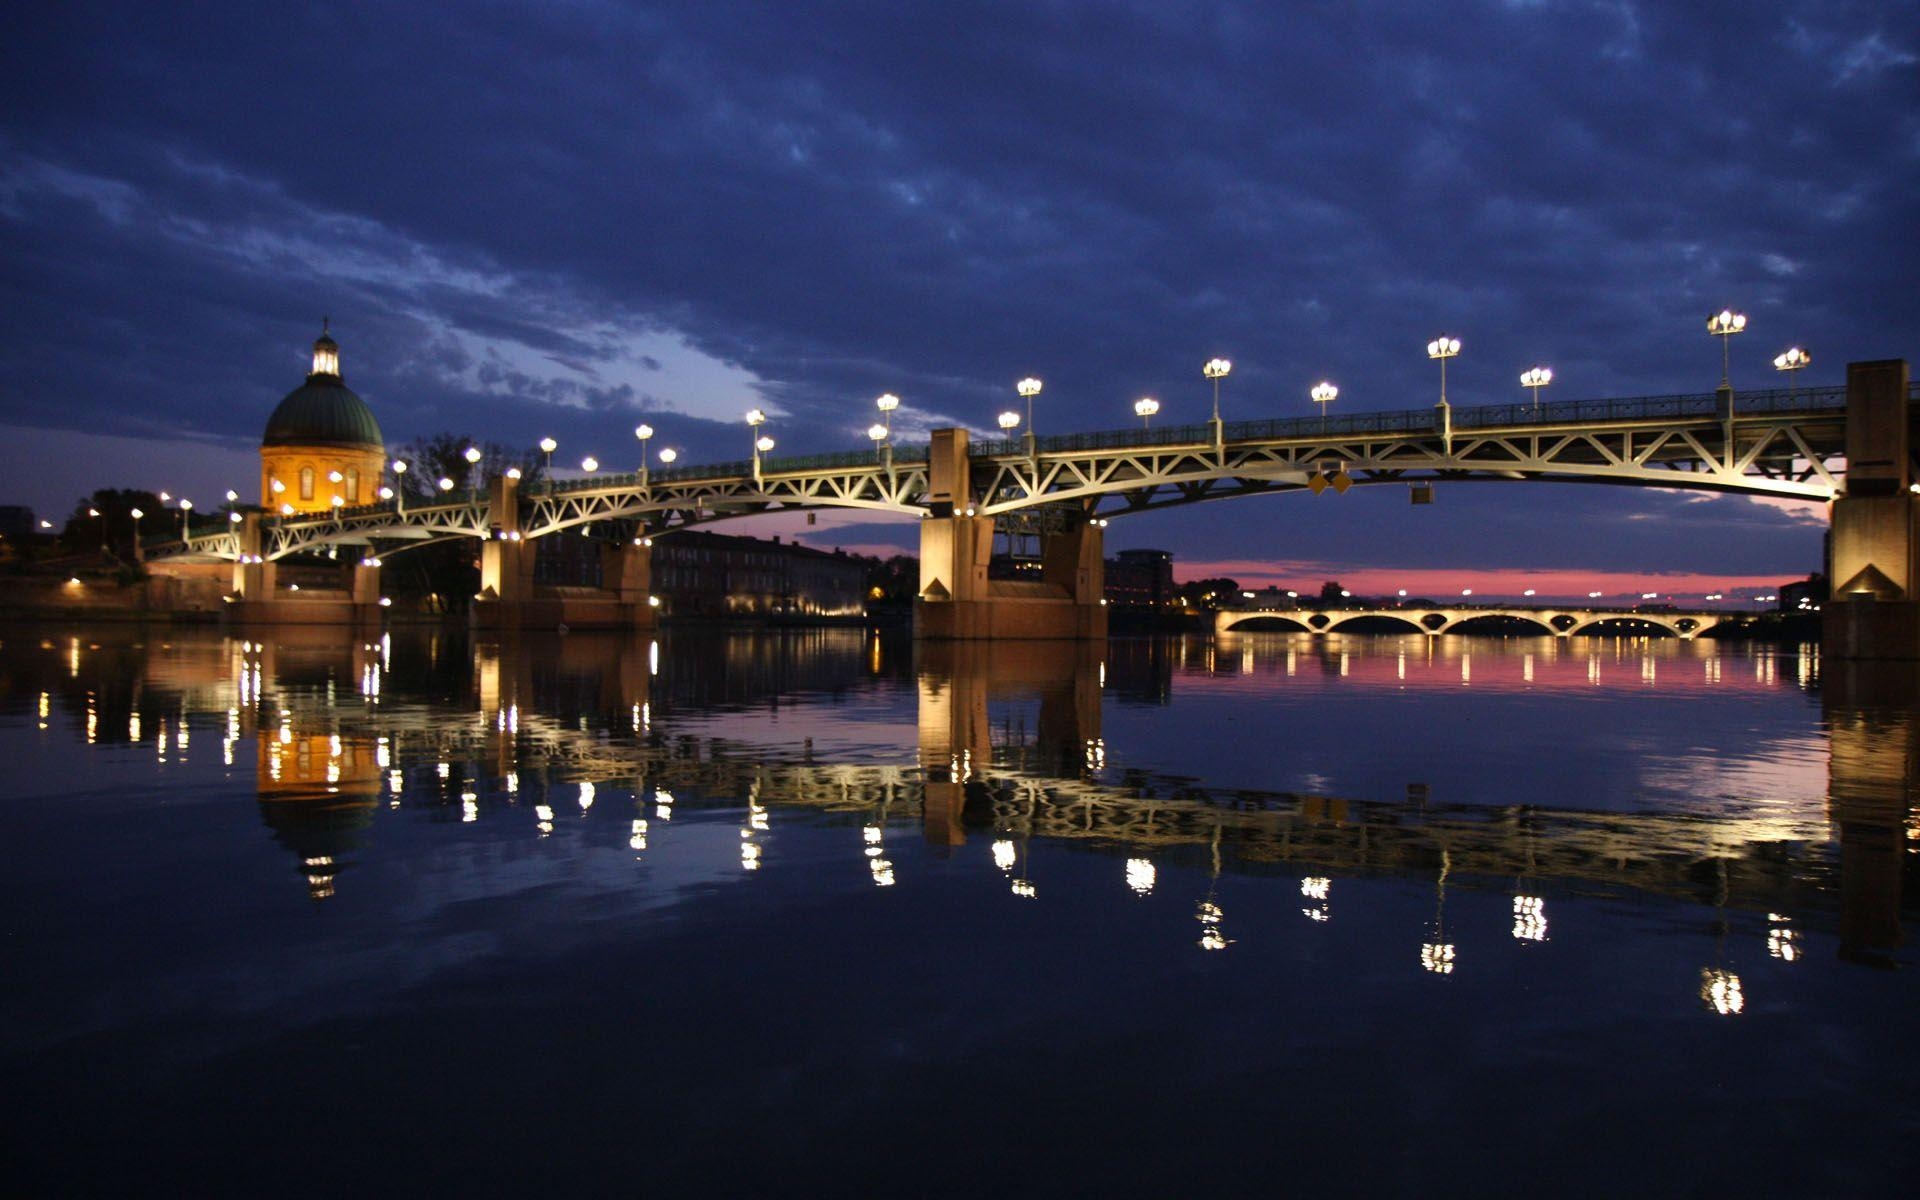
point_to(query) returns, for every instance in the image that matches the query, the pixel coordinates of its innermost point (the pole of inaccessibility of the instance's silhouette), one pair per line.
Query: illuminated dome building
(322, 444)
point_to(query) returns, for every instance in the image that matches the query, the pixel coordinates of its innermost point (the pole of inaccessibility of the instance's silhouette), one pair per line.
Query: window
(353, 485)
(306, 483)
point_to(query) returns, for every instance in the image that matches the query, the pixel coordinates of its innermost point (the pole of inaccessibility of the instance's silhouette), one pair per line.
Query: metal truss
(661, 505)
(1792, 451)
(415, 525)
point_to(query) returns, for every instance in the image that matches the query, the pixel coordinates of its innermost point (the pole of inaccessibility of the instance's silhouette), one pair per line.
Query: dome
(323, 412)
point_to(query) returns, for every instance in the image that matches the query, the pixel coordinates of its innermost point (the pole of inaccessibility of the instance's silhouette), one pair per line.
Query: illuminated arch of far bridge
(1558, 622)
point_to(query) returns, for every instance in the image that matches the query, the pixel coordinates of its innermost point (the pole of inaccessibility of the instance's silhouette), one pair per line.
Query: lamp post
(667, 455)
(762, 445)
(1009, 421)
(886, 404)
(1029, 388)
(1444, 348)
(589, 464)
(1536, 378)
(136, 514)
(186, 515)
(755, 419)
(1723, 325)
(1791, 360)
(399, 486)
(1144, 408)
(1216, 370)
(1323, 394)
(547, 447)
(644, 433)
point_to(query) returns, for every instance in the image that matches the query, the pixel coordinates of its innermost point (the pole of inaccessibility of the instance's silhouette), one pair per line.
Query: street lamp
(886, 404)
(645, 434)
(878, 433)
(764, 444)
(446, 484)
(399, 485)
(1443, 348)
(1536, 378)
(1144, 408)
(1028, 387)
(1793, 359)
(186, 515)
(1216, 370)
(1009, 421)
(667, 455)
(471, 454)
(589, 464)
(1323, 394)
(136, 514)
(1723, 325)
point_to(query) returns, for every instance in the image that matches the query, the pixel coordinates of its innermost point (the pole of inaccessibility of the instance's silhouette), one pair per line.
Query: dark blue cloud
(504, 207)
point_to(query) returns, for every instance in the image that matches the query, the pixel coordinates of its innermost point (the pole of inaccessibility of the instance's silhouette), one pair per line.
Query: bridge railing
(738, 469)
(1422, 421)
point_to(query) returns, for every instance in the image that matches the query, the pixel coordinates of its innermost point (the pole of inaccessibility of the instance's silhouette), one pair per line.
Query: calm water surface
(810, 912)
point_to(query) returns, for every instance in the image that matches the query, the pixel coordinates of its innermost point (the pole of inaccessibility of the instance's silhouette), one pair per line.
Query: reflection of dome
(323, 411)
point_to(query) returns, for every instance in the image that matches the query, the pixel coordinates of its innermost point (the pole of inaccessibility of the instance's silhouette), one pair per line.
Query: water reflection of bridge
(341, 728)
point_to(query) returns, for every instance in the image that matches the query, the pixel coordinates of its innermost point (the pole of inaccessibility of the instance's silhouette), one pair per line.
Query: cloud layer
(553, 219)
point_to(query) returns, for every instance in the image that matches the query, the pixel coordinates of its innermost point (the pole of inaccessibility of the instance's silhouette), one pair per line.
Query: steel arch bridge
(1788, 444)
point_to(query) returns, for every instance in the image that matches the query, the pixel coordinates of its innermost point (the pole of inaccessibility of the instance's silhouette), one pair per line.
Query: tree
(1209, 593)
(444, 456)
(104, 521)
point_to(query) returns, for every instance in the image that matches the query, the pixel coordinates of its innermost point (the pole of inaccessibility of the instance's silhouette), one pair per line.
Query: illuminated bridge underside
(1790, 446)
(1560, 622)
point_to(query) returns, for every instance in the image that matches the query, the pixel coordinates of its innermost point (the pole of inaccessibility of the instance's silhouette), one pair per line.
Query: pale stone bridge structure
(1560, 622)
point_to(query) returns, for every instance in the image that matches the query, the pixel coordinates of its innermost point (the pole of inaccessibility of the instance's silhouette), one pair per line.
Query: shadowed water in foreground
(802, 911)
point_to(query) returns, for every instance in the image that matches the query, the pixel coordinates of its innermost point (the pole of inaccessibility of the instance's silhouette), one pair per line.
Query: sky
(560, 219)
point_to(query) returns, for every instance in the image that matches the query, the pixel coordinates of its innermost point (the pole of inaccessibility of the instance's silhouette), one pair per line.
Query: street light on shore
(1536, 378)
(1144, 408)
(1323, 394)
(1791, 360)
(1723, 325)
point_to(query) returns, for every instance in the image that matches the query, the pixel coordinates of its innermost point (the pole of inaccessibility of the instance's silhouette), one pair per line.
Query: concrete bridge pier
(1875, 608)
(509, 598)
(256, 598)
(957, 602)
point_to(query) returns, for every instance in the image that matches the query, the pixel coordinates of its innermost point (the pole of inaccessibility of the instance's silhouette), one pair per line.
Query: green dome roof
(323, 412)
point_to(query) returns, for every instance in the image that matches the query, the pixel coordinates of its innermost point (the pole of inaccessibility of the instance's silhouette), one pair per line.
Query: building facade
(1140, 578)
(699, 574)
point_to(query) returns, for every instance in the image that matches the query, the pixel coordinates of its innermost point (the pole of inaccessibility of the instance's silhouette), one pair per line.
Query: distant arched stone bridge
(1561, 622)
